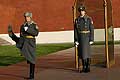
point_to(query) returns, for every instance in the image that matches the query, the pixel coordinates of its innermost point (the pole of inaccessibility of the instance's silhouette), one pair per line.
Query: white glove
(76, 43)
(91, 42)
(25, 28)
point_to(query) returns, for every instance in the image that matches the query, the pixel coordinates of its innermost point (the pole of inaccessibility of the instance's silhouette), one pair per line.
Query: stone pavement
(60, 66)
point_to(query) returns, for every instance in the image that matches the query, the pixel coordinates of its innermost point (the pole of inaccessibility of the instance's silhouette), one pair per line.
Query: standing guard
(83, 38)
(26, 42)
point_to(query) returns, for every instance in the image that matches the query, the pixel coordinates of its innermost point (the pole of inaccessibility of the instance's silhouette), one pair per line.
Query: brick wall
(51, 15)
(116, 12)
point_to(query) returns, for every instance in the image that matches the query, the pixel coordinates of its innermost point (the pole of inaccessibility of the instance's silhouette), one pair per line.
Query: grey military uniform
(83, 34)
(29, 43)
(26, 42)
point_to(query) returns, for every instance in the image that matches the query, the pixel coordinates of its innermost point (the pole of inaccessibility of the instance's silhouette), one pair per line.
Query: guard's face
(82, 13)
(28, 19)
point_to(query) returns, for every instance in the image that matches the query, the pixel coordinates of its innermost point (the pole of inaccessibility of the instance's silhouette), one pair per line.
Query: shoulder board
(35, 25)
(90, 19)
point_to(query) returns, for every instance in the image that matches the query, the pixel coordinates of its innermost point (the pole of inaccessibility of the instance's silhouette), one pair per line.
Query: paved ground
(60, 66)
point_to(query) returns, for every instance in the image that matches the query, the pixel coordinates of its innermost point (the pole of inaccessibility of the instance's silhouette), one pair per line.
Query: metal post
(76, 58)
(76, 48)
(106, 33)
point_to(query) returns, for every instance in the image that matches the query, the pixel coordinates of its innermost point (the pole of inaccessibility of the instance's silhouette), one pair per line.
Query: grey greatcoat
(83, 34)
(26, 42)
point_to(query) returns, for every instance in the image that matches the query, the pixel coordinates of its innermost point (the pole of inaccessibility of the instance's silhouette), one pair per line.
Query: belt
(84, 32)
(29, 36)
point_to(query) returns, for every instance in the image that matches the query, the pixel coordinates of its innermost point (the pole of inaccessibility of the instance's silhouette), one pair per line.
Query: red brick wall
(116, 12)
(95, 9)
(6, 16)
(51, 15)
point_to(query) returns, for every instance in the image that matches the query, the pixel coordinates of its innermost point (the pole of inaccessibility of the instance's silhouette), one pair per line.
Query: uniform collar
(83, 16)
(28, 23)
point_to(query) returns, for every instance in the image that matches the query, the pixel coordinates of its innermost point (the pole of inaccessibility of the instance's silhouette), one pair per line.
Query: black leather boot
(32, 69)
(88, 64)
(83, 65)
